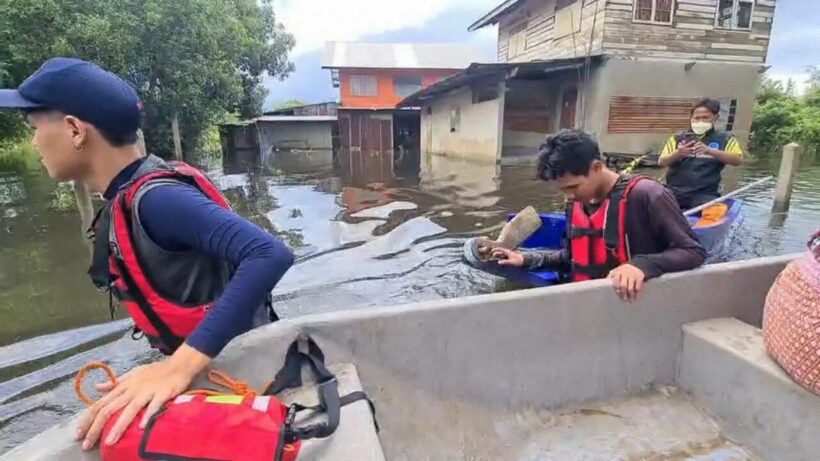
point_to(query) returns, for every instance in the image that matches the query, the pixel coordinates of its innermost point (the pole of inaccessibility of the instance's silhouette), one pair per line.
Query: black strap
(612, 226)
(594, 271)
(577, 232)
(305, 350)
(99, 234)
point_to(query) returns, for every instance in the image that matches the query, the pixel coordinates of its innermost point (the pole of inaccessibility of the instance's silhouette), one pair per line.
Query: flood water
(361, 239)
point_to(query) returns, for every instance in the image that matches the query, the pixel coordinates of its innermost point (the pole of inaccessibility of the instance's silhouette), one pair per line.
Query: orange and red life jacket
(124, 264)
(598, 242)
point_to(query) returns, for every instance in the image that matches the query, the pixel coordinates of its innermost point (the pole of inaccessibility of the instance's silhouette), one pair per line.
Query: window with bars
(654, 11)
(363, 85)
(735, 14)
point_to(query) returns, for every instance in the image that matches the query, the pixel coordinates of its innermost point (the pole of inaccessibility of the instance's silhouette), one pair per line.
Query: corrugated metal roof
(399, 55)
(495, 14)
(479, 72)
(297, 118)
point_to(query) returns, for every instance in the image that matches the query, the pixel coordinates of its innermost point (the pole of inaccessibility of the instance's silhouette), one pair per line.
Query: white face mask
(701, 127)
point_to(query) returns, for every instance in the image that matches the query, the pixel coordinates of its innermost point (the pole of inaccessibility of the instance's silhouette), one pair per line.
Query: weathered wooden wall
(543, 40)
(692, 35)
(608, 25)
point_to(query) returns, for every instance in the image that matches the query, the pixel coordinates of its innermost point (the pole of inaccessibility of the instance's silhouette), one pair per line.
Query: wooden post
(177, 139)
(785, 178)
(141, 143)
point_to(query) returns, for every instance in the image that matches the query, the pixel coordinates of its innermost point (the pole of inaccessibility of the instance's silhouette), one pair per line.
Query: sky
(795, 40)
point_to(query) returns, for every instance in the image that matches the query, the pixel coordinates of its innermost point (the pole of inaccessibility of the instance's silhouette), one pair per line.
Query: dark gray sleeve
(546, 259)
(667, 224)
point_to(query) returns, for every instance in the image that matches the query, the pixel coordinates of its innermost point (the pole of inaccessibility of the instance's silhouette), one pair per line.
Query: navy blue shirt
(181, 218)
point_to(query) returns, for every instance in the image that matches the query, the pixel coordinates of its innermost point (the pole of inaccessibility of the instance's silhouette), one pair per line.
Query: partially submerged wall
(475, 132)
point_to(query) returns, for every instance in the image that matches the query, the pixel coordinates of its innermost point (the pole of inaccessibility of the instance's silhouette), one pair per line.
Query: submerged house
(373, 78)
(626, 70)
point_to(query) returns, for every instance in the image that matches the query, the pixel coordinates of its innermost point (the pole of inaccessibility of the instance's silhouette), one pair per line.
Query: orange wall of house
(386, 97)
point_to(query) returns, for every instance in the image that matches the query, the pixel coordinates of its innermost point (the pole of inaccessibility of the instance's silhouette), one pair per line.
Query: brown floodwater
(363, 238)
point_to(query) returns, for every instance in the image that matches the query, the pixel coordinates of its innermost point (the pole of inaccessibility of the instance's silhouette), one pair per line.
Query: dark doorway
(407, 141)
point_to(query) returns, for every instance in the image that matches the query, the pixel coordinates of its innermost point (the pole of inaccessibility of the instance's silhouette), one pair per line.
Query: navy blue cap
(81, 89)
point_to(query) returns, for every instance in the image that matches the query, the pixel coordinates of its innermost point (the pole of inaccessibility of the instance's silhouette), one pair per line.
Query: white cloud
(313, 22)
(800, 79)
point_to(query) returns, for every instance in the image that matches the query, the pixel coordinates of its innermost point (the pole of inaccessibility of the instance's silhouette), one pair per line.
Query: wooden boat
(563, 373)
(553, 227)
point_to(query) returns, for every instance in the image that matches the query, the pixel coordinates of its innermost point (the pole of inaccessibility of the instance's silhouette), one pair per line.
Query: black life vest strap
(98, 233)
(594, 271)
(305, 351)
(578, 232)
(612, 226)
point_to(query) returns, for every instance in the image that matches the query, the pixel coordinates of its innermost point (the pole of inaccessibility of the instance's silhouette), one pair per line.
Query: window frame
(735, 4)
(370, 78)
(415, 78)
(652, 14)
(512, 34)
(455, 119)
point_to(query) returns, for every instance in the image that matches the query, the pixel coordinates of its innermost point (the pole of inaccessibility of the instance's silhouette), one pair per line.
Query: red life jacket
(598, 243)
(119, 267)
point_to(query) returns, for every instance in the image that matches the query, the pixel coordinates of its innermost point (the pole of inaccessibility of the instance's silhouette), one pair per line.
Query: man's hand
(685, 149)
(507, 257)
(145, 387)
(628, 281)
(701, 149)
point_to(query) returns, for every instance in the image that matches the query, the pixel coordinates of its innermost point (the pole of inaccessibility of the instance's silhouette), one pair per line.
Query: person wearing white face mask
(696, 157)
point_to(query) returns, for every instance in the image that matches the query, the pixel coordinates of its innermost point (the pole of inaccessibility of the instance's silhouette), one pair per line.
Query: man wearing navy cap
(191, 273)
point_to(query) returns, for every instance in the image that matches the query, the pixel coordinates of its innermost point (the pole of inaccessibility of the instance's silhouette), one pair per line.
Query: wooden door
(568, 103)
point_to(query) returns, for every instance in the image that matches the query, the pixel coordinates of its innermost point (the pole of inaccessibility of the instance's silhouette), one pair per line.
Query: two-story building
(626, 70)
(373, 78)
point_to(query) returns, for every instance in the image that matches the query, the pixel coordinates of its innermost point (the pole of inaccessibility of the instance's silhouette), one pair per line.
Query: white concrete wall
(654, 78)
(298, 135)
(478, 136)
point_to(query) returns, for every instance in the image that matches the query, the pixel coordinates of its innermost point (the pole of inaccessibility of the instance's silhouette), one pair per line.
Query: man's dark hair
(115, 139)
(708, 103)
(567, 152)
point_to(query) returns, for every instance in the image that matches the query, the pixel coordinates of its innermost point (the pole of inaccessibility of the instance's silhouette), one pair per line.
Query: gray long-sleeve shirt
(659, 236)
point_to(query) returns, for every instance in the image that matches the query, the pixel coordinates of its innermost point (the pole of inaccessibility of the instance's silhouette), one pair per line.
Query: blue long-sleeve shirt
(181, 218)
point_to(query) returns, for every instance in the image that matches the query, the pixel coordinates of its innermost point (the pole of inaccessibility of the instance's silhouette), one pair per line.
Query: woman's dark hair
(707, 103)
(567, 152)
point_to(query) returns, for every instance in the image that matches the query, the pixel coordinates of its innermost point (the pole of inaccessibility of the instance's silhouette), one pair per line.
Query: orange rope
(78, 383)
(215, 376)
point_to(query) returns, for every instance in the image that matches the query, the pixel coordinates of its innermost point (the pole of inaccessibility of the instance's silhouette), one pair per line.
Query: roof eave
(494, 15)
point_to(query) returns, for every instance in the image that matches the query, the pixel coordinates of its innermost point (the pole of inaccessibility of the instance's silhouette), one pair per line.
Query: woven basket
(791, 321)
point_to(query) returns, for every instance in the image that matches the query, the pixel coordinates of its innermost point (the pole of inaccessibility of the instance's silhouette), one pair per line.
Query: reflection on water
(361, 237)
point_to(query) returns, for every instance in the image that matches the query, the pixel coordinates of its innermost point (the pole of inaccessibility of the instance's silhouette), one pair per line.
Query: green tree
(193, 59)
(782, 117)
(289, 104)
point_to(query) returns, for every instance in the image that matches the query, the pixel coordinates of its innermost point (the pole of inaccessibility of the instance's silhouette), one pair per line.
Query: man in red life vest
(190, 272)
(625, 228)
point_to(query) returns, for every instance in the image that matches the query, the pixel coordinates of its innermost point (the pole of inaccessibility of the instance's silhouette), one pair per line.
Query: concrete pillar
(785, 178)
